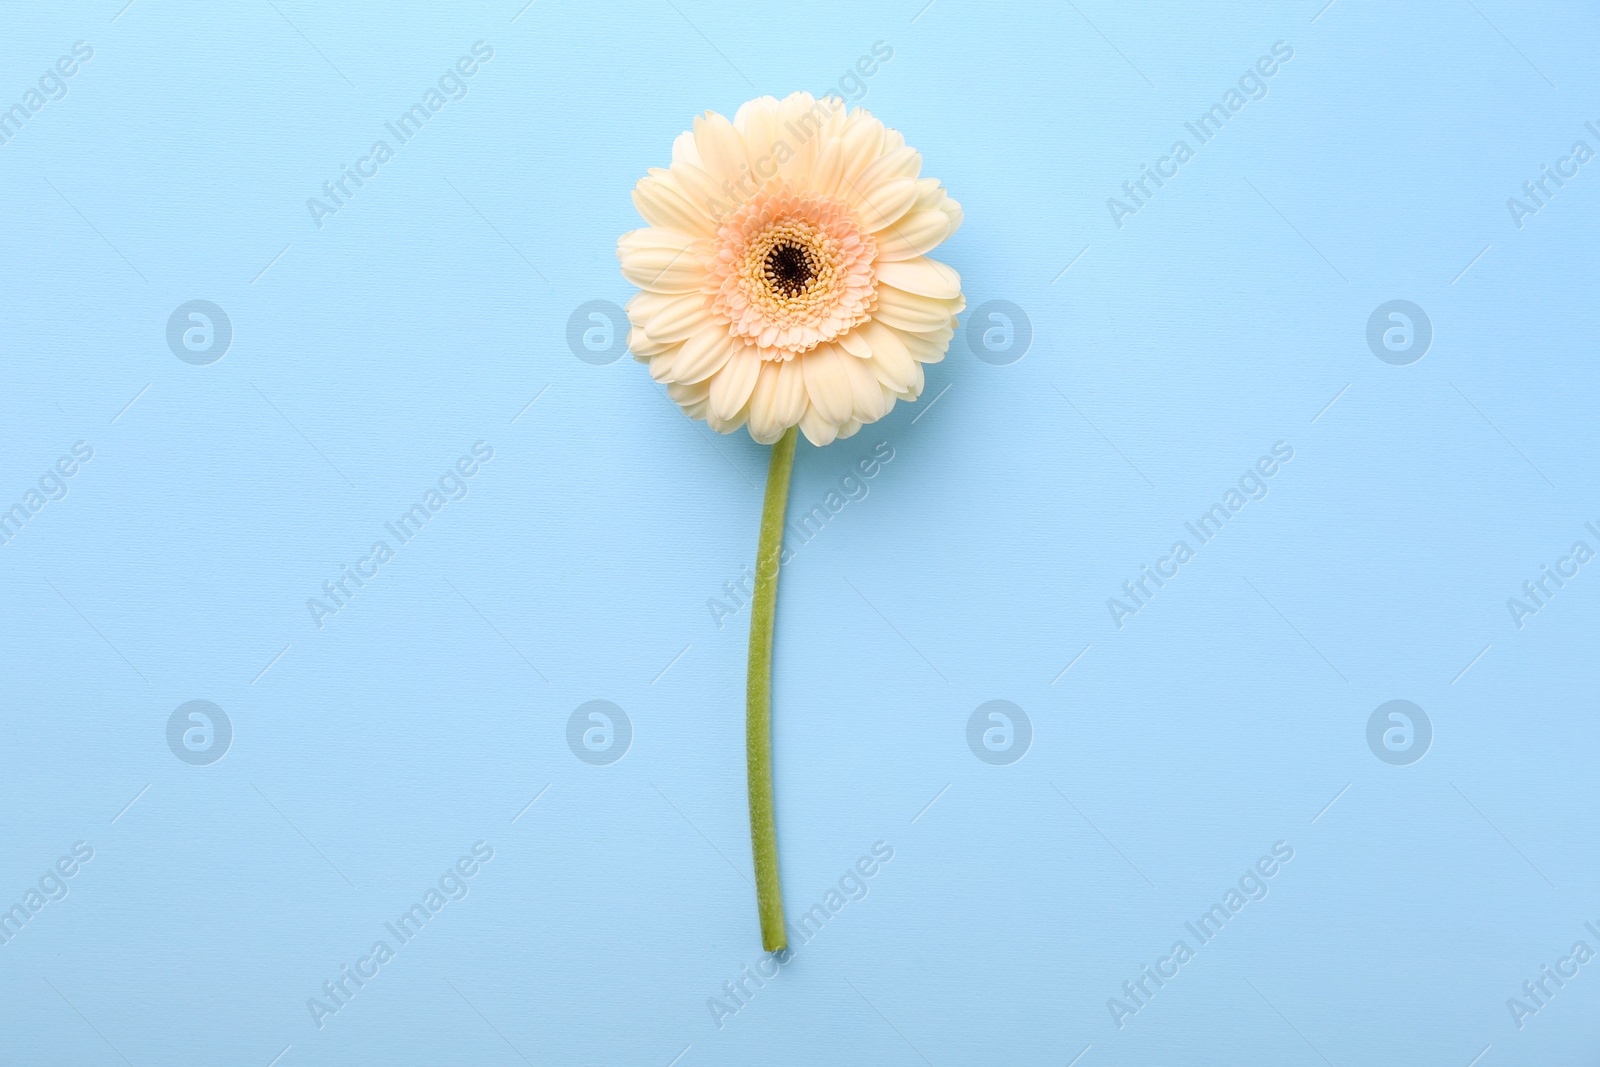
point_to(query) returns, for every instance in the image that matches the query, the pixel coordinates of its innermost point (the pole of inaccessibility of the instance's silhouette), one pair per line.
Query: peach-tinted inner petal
(790, 272)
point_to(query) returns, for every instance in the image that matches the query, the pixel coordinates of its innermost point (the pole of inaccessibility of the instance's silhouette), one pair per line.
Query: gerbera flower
(785, 284)
(784, 277)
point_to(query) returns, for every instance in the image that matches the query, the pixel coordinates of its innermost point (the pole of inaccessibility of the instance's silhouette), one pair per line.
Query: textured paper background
(1163, 358)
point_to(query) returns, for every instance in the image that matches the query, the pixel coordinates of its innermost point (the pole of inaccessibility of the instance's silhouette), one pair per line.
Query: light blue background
(425, 315)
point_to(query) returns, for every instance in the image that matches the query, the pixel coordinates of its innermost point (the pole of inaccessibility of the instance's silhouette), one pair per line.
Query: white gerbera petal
(790, 399)
(784, 275)
(660, 202)
(824, 175)
(647, 237)
(703, 355)
(902, 162)
(891, 358)
(926, 348)
(886, 203)
(866, 396)
(722, 425)
(818, 429)
(765, 424)
(801, 118)
(642, 347)
(732, 385)
(722, 153)
(855, 344)
(861, 146)
(911, 311)
(645, 305)
(916, 386)
(953, 211)
(932, 196)
(757, 123)
(661, 364)
(663, 261)
(827, 383)
(912, 235)
(679, 318)
(923, 276)
(685, 393)
(684, 150)
(701, 190)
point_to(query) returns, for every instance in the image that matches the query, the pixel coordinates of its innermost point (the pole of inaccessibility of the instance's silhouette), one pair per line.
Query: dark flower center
(789, 268)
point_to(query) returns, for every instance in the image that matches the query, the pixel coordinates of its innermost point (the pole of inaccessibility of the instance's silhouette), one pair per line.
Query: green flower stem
(758, 696)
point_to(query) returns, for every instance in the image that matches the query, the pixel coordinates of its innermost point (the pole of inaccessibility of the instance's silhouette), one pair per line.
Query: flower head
(783, 277)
